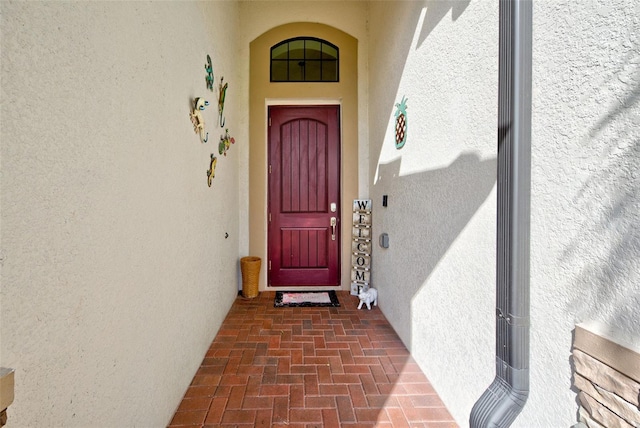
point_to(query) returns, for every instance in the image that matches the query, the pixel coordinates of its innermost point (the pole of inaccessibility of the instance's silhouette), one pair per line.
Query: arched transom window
(304, 59)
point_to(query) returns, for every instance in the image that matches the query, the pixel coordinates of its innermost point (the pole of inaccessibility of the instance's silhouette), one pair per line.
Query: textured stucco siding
(585, 239)
(115, 273)
(585, 252)
(436, 280)
(115, 270)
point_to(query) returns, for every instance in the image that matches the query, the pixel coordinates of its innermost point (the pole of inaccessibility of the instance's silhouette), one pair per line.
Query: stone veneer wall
(607, 377)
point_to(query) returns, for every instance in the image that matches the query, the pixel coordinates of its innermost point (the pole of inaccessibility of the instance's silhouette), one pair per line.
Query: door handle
(333, 228)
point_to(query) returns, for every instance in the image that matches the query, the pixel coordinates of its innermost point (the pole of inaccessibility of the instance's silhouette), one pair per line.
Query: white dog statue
(368, 297)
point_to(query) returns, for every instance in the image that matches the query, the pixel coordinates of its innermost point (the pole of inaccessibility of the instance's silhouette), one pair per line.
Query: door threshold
(305, 288)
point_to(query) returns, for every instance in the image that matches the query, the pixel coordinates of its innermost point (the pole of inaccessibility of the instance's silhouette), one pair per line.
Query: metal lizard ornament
(211, 172)
(209, 69)
(197, 120)
(225, 142)
(221, 97)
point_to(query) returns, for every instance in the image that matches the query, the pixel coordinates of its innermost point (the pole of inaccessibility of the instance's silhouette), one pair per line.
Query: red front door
(304, 196)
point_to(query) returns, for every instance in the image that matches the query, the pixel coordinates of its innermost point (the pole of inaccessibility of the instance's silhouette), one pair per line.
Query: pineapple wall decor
(401, 123)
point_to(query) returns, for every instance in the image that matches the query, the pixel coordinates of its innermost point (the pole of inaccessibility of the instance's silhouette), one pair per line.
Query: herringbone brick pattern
(309, 367)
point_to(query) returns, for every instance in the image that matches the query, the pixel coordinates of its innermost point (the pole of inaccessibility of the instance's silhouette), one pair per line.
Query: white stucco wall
(436, 281)
(585, 240)
(115, 270)
(585, 252)
(115, 273)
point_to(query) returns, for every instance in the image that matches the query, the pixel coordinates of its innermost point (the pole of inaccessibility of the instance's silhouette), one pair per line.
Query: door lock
(333, 228)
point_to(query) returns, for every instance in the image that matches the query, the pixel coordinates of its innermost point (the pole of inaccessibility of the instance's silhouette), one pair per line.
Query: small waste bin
(250, 267)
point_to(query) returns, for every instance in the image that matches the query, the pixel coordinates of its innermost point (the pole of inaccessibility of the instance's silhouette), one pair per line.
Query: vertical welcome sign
(361, 246)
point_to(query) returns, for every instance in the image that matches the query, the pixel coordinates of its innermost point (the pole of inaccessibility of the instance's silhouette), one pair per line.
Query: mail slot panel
(361, 246)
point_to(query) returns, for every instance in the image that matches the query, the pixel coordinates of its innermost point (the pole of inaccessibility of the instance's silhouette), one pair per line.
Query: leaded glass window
(305, 59)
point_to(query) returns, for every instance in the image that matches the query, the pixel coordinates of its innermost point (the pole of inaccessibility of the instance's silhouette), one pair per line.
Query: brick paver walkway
(309, 367)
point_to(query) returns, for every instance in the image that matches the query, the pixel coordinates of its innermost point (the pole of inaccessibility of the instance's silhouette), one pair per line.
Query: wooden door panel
(303, 167)
(304, 248)
(304, 154)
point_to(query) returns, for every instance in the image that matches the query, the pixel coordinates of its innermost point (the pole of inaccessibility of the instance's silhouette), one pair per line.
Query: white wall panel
(115, 270)
(585, 244)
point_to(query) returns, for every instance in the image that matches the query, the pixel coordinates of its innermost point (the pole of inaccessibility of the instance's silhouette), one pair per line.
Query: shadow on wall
(439, 203)
(617, 229)
(399, 43)
(629, 101)
(436, 10)
(612, 194)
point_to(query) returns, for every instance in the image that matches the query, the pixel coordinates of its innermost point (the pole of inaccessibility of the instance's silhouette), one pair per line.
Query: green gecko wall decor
(209, 68)
(225, 142)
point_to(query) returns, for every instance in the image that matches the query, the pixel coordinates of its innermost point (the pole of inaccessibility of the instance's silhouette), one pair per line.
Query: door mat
(305, 298)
